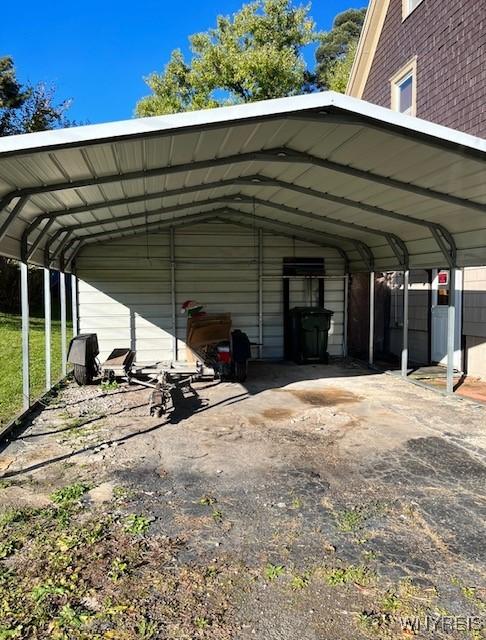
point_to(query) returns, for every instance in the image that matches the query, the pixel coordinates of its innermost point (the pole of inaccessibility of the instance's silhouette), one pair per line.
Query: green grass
(11, 361)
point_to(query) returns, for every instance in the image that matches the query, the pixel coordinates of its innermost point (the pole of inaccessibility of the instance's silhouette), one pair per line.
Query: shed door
(440, 302)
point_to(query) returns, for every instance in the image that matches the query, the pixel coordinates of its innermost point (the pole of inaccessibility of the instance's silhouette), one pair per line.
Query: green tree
(337, 79)
(337, 49)
(29, 108)
(11, 94)
(24, 109)
(254, 55)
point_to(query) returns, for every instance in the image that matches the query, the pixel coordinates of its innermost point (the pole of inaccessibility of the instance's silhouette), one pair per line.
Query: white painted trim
(408, 70)
(406, 11)
(78, 136)
(367, 45)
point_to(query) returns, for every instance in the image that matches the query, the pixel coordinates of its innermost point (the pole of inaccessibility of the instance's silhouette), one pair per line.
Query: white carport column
(451, 330)
(345, 319)
(260, 293)
(406, 281)
(175, 353)
(74, 303)
(62, 289)
(371, 345)
(24, 301)
(47, 326)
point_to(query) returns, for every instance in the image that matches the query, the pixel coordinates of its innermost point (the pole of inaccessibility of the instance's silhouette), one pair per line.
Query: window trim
(409, 69)
(406, 11)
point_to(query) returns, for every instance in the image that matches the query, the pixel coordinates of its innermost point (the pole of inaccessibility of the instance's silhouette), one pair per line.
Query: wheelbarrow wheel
(82, 375)
(241, 370)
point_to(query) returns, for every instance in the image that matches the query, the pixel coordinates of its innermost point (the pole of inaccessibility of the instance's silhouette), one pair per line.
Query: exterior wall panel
(475, 302)
(476, 356)
(447, 37)
(125, 289)
(418, 315)
(474, 323)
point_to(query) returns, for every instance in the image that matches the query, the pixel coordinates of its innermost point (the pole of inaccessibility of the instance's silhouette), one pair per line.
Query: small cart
(214, 352)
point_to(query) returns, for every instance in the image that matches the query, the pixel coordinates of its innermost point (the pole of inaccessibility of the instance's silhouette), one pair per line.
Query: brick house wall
(449, 39)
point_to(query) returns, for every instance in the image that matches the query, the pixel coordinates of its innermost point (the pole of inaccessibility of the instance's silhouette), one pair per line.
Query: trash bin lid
(317, 311)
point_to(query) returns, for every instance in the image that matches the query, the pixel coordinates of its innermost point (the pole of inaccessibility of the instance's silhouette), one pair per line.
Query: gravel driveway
(314, 502)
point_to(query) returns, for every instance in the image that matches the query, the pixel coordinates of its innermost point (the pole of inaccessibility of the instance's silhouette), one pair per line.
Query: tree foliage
(337, 78)
(11, 94)
(29, 108)
(254, 55)
(337, 49)
(24, 109)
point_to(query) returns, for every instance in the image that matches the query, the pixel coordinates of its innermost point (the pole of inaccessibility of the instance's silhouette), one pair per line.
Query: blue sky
(98, 52)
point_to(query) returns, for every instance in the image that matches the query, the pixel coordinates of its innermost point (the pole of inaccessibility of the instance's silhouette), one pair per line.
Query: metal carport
(384, 190)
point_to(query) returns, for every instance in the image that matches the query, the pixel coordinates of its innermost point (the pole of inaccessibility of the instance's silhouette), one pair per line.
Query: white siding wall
(275, 249)
(124, 296)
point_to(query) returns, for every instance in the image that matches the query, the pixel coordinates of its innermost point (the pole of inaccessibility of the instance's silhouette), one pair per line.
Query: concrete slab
(326, 489)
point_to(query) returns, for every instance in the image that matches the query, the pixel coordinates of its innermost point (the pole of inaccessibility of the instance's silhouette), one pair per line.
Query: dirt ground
(314, 502)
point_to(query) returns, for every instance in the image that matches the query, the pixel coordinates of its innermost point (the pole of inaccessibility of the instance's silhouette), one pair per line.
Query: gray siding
(474, 324)
(447, 36)
(475, 302)
(419, 305)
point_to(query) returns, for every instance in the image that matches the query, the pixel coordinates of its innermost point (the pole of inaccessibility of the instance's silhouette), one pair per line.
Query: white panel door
(439, 323)
(439, 333)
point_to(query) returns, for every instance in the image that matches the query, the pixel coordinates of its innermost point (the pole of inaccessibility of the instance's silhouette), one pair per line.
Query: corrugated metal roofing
(383, 187)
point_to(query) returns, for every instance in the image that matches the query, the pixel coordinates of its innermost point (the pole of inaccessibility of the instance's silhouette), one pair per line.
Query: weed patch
(90, 578)
(109, 385)
(137, 525)
(272, 571)
(67, 496)
(299, 582)
(359, 574)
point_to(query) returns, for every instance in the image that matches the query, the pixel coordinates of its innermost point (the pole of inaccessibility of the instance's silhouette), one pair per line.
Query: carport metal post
(406, 280)
(74, 303)
(451, 316)
(173, 293)
(47, 325)
(260, 293)
(24, 300)
(371, 345)
(62, 291)
(345, 319)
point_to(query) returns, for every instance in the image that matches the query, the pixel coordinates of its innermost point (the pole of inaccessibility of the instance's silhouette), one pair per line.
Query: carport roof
(384, 189)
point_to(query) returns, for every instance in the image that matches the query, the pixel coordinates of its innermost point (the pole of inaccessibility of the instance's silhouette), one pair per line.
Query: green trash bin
(309, 328)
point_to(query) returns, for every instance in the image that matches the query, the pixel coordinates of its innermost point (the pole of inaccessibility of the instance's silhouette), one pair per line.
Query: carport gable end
(130, 292)
(369, 183)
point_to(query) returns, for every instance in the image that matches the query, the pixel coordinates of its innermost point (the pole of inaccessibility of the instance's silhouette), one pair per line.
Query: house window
(408, 6)
(404, 89)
